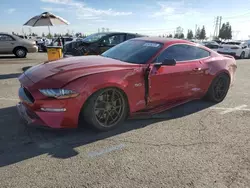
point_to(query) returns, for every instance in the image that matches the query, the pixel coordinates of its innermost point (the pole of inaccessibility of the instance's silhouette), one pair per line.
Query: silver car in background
(13, 44)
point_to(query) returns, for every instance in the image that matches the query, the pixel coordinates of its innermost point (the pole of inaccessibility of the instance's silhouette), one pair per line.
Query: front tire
(218, 88)
(106, 109)
(20, 52)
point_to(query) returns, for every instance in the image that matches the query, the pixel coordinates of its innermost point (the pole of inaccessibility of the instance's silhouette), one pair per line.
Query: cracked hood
(60, 72)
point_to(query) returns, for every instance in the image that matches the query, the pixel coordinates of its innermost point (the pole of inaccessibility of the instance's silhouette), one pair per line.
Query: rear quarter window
(201, 53)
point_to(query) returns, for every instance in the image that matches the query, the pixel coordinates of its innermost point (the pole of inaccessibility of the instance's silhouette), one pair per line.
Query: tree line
(225, 32)
(50, 36)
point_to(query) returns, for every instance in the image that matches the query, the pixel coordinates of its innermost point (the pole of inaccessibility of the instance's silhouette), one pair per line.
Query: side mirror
(166, 62)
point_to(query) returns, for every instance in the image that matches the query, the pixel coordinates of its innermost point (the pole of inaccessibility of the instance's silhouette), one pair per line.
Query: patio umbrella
(46, 19)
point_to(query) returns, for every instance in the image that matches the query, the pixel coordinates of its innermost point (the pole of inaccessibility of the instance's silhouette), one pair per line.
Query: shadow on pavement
(18, 142)
(8, 76)
(8, 57)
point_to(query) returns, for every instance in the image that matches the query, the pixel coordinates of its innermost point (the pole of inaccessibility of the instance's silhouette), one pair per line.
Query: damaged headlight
(58, 93)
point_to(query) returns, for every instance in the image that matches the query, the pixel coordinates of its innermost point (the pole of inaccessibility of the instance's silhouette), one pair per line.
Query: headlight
(58, 93)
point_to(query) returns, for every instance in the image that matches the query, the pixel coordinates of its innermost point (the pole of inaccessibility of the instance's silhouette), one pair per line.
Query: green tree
(179, 33)
(229, 31)
(181, 36)
(202, 33)
(170, 36)
(176, 36)
(225, 31)
(197, 33)
(49, 36)
(190, 34)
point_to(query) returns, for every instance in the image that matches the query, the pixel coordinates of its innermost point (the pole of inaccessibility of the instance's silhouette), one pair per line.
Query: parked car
(237, 49)
(141, 76)
(42, 43)
(218, 41)
(211, 44)
(13, 44)
(96, 43)
(55, 42)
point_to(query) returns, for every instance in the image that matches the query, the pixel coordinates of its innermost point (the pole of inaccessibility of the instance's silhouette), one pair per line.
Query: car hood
(62, 71)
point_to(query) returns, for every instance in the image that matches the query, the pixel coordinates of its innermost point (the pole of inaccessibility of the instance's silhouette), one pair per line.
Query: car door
(110, 41)
(172, 83)
(7, 43)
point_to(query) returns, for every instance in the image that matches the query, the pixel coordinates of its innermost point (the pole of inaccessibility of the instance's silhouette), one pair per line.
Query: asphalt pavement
(198, 144)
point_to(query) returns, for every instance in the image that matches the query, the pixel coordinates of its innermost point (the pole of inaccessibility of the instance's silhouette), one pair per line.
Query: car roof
(5, 33)
(163, 40)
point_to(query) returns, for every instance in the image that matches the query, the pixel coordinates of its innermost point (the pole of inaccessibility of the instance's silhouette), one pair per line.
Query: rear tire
(20, 52)
(218, 88)
(106, 109)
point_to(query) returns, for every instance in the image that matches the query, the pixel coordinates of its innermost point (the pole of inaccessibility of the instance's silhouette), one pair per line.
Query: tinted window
(232, 43)
(183, 53)
(4, 37)
(68, 39)
(134, 51)
(94, 37)
(200, 53)
(130, 36)
(113, 40)
(178, 52)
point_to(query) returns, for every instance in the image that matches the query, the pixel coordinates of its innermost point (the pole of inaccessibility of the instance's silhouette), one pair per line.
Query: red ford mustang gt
(140, 76)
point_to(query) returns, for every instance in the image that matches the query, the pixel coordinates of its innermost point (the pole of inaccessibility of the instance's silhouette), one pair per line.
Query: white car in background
(237, 49)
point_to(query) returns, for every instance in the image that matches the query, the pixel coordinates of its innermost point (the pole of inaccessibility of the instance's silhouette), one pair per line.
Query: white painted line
(228, 110)
(8, 99)
(106, 150)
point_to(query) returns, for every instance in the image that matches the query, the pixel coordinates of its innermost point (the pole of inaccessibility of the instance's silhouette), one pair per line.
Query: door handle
(197, 69)
(12, 43)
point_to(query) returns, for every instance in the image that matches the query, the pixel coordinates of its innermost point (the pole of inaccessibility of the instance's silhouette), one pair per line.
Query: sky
(151, 17)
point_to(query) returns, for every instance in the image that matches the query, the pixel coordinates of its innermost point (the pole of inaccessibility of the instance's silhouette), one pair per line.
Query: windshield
(134, 51)
(94, 37)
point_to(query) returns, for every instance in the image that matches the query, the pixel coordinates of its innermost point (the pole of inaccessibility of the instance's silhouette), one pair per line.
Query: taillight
(234, 48)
